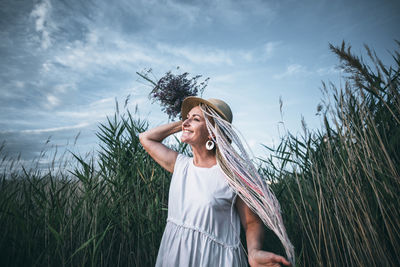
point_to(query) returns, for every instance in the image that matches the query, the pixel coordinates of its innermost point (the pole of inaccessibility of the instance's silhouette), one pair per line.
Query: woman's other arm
(254, 229)
(152, 139)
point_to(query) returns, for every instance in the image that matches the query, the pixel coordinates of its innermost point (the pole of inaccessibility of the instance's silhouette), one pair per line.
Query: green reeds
(109, 211)
(342, 183)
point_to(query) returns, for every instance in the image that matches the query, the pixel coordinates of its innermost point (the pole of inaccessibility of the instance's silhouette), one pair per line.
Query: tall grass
(105, 212)
(340, 185)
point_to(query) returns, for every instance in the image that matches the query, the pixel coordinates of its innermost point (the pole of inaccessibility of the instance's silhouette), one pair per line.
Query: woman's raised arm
(152, 139)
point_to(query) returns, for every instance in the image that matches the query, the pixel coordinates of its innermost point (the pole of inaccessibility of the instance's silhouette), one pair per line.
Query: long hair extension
(244, 178)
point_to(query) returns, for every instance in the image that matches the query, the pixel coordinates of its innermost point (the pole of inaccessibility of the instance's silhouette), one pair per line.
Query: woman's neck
(203, 157)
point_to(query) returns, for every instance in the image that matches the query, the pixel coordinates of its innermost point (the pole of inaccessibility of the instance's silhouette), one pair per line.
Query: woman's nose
(186, 122)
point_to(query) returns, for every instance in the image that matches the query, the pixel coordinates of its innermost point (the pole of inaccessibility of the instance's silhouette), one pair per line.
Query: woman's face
(194, 129)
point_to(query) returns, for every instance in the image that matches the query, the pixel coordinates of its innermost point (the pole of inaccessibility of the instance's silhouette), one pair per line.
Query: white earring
(209, 145)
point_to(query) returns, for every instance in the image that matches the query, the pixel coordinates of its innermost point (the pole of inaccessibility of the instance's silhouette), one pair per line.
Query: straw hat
(218, 105)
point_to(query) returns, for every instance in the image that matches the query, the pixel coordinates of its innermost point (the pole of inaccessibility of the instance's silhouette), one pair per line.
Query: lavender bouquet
(172, 89)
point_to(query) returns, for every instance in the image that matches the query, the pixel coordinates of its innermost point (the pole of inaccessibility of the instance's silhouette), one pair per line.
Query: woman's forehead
(196, 111)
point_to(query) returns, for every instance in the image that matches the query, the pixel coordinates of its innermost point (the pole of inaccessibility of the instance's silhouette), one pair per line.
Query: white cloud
(19, 84)
(291, 70)
(162, 12)
(46, 67)
(297, 69)
(270, 48)
(64, 87)
(327, 71)
(99, 103)
(92, 37)
(190, 13)
(43, 25)
(247, 55)
(56, 129)
(91, 112)
(52, 101)
(236, 12)
(198, 55)
(97, 110)
(103, 50)
(199, 13)
(257, 54)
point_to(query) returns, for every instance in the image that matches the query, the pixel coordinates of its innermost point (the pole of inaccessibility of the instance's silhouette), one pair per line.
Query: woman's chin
(187, 141)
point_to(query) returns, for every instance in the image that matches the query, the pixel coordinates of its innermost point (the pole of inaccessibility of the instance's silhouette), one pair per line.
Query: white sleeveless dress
(203, 227)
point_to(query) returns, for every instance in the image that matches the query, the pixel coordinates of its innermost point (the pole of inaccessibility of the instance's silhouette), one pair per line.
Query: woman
(204, 215)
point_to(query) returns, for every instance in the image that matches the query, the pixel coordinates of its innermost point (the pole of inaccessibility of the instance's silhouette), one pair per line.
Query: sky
(64, 64)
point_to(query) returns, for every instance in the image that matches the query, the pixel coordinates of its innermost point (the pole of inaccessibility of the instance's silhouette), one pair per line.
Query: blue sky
(63, 63)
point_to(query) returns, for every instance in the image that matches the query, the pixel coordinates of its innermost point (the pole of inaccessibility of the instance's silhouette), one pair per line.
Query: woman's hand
(258, 258)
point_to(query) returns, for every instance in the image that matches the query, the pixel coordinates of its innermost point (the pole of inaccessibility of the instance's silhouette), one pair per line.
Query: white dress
(203, 227)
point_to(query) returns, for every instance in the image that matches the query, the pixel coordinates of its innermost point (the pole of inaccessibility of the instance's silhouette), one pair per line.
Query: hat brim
(193, 101)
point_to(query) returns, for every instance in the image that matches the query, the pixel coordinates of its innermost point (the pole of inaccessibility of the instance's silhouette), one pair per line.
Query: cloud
(215, 56)
(41, 15)
(16, 143)
(30, 143)
(293, 69)
(197, 55)
(156, 16)
(70, 59)
(47, 130)
(57, 129)
(101, 50)
(94, 111)
(19, 84)
(297, 69)
(236, 12)
(105, 50)
(328, 71)
(65, 87)
(257, 54)
(52, 101)
(270, 48)
(97, 110)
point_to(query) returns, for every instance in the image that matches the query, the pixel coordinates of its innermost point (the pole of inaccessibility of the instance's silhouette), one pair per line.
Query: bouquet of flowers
(172, 89)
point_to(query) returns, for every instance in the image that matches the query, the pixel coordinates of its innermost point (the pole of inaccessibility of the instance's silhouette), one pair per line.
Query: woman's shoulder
(181, 161)
(183, 157)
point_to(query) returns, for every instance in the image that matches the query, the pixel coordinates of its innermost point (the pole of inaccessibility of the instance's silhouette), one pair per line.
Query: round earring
(209, 145)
